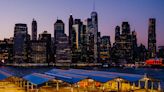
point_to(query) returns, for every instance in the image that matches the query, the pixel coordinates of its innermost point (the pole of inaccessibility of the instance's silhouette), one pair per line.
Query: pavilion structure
(78, 80)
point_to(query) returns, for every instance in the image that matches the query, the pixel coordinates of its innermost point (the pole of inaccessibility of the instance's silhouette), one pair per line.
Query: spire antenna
(93, 5)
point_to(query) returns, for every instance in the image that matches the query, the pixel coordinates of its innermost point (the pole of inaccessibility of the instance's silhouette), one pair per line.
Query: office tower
(94, 18)
(134, 46)
(98, 46)
(70, 29)
(125, 28)
(126, 42)
(58, 29)
(122, 48)
(45, 36)
(34, 30)
(58, 32)
(78, 42)
(117, 34)
(142, 53)
(94, 29)
(89, 40)
(77, 27)
(20, 43)
(152, 38)
(38, 51)
(115, 50)
(41, 49)
(92, 37)
(62, 48)
(85, 39)
(134, 39)
(105, 49)
(84, 56)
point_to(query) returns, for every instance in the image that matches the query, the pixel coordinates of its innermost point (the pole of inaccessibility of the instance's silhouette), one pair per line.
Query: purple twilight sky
(110, 14)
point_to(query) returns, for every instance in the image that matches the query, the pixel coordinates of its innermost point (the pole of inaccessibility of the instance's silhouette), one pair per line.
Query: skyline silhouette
(110, 14)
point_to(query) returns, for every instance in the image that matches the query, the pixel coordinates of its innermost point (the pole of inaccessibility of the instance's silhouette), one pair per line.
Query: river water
(22, 71)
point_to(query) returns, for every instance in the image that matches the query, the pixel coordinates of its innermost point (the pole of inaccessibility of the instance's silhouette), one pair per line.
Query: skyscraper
(122, 49)
(94, 30)
(78, 29)
(38, 52)
(41, 49)
(62, 48)
(78, 46)
(152, 38)
(45, 36)
(58, 28)
(105, 49)
(125, 28)
(92, 38)
(20, 43)
(134, 39)
(134, 45)
(34, 30)
(117, 34)
(115, 50)
(70, 29)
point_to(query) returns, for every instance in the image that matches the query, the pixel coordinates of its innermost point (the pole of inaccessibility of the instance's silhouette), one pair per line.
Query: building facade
(61, 44)
(70, 29)
(123, 47)
(45, 36)
(6, 51)
(105, 48)
(94, 30)
(34, 30)
(135, 53)
(152, 38)
(20, 43)
(38, 52)
(79, 42)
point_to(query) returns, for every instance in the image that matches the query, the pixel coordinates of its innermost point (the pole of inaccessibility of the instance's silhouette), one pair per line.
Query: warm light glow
(154, 62)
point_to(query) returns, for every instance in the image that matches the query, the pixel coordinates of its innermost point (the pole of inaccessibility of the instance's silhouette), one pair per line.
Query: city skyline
(109, 15)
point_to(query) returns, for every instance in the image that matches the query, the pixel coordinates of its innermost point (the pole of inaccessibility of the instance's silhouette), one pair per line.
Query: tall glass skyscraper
(70, 29)
(20, 43)
(62, 49)
(94, 29)
(34, 30)
(152, 38)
